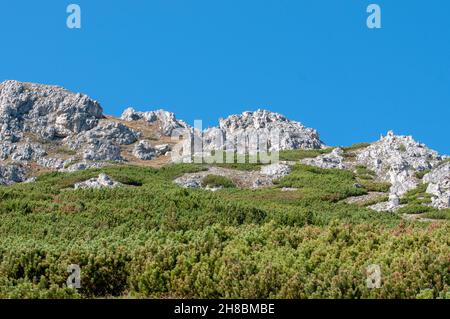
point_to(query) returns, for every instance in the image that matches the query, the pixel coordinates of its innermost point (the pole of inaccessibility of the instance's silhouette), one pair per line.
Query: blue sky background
(314, 61)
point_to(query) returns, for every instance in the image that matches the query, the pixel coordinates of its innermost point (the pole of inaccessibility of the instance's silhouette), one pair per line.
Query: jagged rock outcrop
(276, 170)
(28, 152)
(52, 116)
(438, 181)
(49, 127)
(102, 181)
(249, 130)
(50, 112)
(103, 141)
(335, 159)
(162, 149)
(166, 121)
(10, 174)
(143, 150)
(396, 159)
(54, 163)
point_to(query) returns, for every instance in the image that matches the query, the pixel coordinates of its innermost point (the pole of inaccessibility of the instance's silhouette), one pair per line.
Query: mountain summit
(47, 128)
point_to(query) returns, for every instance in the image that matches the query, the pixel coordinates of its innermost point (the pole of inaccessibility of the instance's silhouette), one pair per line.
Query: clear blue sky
(314, 61)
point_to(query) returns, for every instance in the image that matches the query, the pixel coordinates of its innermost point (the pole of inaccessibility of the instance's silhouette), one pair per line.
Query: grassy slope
(154, 239)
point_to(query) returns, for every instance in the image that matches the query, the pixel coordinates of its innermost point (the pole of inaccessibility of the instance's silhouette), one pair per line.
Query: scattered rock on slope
(166, 120)
(243, 179)
(396, 159)
(335, 159)
(10, 174)
(143, 150)
(102, 181)
(276, 170)
(439, 185)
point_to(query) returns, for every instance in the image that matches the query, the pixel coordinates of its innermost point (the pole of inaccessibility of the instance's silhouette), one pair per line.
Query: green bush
(296, 155)
(153, 239)
(217, 181)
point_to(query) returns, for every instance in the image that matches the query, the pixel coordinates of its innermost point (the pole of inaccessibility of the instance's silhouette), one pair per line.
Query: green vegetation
(364, 173)
(438, 214)
(234, 161)
(417, 196)
(416, 202)
(376, 200)
(217, 181)
(421, 174)
(366, 178)
(296, 155)
(350, 151)
(152, 238)
(356, 146)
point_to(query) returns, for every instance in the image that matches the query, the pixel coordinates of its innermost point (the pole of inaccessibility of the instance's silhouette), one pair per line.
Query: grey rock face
(276, 171)
(6, 149)
(262, 126)
(103, 141)
(10, 174)
(439, 185)
(162, 149)
(28, 152)
(84, 165)
(102, 181)
(391, 205)
(395, 159)
(54, 163)
(166, 120)
(335, 159)
(48, 111)
(144, 151)
(100, 150)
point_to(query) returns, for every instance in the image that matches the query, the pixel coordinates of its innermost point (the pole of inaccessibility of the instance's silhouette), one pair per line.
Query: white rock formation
(143, 150)
(439, 185)
(103, 142)
(166, 121)
(249, 130)
(102, 181)
(28, 152)
(276, 170)
(54, 163)
(162, 149)
(396, 159)
(10, 174)
(335, 159)
(79, 166)
(51, 112)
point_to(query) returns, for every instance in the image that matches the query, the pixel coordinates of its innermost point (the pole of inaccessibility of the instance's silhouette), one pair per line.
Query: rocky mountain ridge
(45, 128)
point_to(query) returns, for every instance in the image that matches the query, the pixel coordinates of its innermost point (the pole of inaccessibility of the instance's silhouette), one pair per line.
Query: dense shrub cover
(151, 238)
(217, 181)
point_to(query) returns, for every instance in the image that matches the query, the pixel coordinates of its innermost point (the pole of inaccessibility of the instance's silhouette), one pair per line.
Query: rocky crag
(45, 128)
